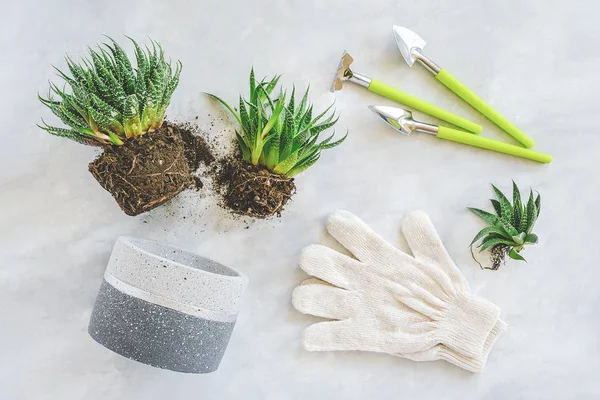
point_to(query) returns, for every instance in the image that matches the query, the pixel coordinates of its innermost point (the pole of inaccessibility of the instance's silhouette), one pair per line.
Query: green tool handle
(423, 106)
(464, 93)
(491, 144)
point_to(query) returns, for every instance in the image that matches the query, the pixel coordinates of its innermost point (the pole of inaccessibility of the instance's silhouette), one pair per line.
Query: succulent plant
(282, 137)
(109, 100)
(510, 228)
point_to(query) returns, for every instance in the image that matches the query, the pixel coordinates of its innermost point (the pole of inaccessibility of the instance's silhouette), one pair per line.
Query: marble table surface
(535, 61)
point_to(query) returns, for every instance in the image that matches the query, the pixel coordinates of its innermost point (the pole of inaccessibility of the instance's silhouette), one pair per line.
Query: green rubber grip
(464, 93)
(423, 106)
(491, 144)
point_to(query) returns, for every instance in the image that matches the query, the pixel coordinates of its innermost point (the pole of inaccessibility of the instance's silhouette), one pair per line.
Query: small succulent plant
(282, 137)
(109, 100)
(511, 228)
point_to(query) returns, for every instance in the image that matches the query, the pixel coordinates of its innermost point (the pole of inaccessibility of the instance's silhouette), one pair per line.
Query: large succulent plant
(282, 137)
(109, 100)
(511, 228)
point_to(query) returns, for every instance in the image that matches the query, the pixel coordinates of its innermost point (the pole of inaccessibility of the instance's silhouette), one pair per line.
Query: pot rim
(133, 243)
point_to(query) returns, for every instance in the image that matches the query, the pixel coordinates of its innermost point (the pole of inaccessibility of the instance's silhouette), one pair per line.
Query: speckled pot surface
(166, 307)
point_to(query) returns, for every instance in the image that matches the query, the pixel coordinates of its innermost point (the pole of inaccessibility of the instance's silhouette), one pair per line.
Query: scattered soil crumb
(197, 182)
(197, 150)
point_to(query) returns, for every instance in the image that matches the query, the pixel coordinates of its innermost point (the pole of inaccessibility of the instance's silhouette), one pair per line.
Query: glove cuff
(476, 364)
(466, 324)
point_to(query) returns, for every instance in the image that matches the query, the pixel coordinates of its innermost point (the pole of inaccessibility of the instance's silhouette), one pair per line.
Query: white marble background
(535, 61)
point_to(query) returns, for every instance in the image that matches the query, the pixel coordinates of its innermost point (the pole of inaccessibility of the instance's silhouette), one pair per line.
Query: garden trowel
(402, 121)
(344, 73)
(411, 46)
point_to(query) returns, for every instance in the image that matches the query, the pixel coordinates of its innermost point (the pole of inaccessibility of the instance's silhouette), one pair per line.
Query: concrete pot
(166, 307)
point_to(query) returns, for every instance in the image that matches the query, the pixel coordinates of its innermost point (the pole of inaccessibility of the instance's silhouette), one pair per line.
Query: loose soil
(242, 188)
(253, 190)
(146, 171)
(197, 150)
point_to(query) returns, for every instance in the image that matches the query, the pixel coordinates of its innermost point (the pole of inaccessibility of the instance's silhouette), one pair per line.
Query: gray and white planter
(166, 307)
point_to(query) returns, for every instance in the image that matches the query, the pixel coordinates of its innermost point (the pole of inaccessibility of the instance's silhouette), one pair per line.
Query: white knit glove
(441, 352)
(305, 302)
(388, 301)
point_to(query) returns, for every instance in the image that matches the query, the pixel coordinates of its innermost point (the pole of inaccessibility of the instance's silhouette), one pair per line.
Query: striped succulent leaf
(511, 225)
(281, 137)
(109, 100)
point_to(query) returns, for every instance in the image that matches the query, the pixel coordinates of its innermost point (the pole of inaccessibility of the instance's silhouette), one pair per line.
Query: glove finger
(356, 236)
(426, 245)
(347, 335)
(324, 301)
(315, 281)
(421, 307)
(329, 265)
(428, 294)
(331, 336)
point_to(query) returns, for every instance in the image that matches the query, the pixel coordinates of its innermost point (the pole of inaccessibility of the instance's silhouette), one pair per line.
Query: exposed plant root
(497, 256)
(162, 170)
(253, 190)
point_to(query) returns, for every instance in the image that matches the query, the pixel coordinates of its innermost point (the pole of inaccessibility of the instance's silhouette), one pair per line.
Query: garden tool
(403, 122)
(344, 73)
(411, 46)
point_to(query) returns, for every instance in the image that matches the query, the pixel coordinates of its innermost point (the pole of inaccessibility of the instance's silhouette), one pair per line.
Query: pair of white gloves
(418, 307)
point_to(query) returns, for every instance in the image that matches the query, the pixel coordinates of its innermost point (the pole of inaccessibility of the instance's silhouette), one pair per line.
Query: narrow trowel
(411, 46)
(402, 121)
(344, 73)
